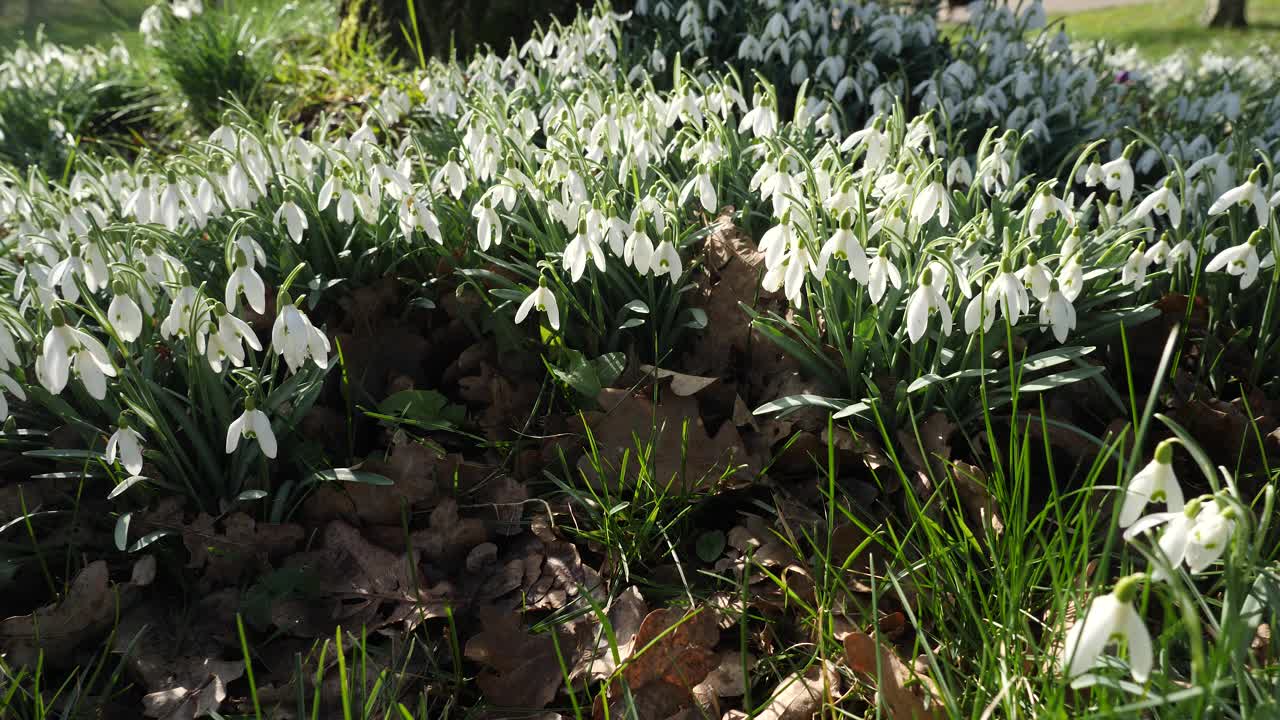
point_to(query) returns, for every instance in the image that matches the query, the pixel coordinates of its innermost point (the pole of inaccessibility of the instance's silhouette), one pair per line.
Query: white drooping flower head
(1240, 260)
(1156, 482)
(1110, 619)
(126, 444)
(543, 301)
(253, 424)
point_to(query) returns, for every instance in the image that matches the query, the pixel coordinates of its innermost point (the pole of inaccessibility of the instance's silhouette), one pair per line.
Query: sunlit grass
(1163, 28)
(72, 22)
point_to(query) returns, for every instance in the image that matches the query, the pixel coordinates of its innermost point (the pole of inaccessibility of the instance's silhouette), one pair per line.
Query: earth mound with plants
(725, 360)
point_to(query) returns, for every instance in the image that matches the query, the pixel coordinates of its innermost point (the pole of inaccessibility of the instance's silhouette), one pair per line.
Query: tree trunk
(1225, 14)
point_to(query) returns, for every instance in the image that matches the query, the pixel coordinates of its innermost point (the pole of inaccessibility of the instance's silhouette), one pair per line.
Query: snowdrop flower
(777, 240)
(789, 274)
(1111, 210)
(762, 120)
(294, 219)
(1117, 175)
(8, 383)
(1196, 534)
(1157, 254)
(876, 141)
(844, 245)
(1154, 483)
(1183, 252)
(1249, 193)
(638, 249)
(1162, 202)
(1209, 536)
(296, 339)
(932, 200)
(1057, 312)
(247, 281)
(227, 341)
(1008, 294)
(124, 314)
(980, 312)
(8, 350)
(1092, 174)
(881, 273)
(582, 248)
(415, 213)
(488, 224)
(1241, 260)
(254, 425)
(542, 300)
(706, 190)
(66, 348)
(1110, 619)
(926, 300)
(182, 311)
(1045, 205)
(1135, 267)
(126, 444)
(959, 172)
(666, 261)
(1036, 277)
(187, 9)
(451, 176)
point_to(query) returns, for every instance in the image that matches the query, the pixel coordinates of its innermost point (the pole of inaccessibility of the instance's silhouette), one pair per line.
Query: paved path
(1052, 7)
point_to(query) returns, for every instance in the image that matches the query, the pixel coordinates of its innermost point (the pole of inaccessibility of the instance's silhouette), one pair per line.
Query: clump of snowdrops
(894, 246)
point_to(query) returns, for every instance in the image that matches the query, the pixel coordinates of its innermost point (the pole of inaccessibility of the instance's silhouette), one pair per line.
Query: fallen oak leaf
(198, 687)
(55, 630)
(907, 695)
(524, 669)
(674, 647)
(627, 417)
(801, 695)
(681, 384)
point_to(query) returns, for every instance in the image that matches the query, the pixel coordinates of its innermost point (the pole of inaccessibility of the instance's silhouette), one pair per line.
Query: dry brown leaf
(243, 546)
(729, 678)
(144, 571)
(87, 609)
(523, 670)
(196, 688)
(1261, 643)
(674, 647)
(628, 416)
(906, 695)
(979, 506)
(417, 471)
(800, 696)
(681, 384)
(450, 537)
(734, 266)
(597, 659)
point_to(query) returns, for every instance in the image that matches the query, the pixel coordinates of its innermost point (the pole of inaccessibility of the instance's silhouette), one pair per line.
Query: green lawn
(1161, 28)
(70, 22)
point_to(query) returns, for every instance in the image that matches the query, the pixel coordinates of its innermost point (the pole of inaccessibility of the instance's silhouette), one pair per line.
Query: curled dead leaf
(906, 695)
(87, 609)
(522, 668)
(699, 460)
(803, 694)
